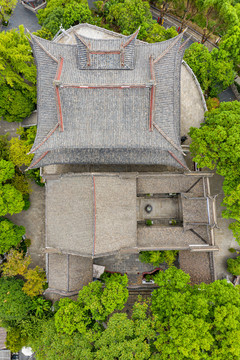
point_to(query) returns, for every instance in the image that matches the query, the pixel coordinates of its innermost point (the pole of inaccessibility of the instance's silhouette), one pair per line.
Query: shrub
(27, 203)
(212, 103)
(158, 257)
(16, 264)
(36, 281)
(234, 266)
(15, 340)
(35, 175)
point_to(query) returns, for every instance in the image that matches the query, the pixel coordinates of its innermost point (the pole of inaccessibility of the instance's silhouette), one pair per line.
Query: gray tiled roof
(5, 354)
(97, 214)
(107, 123)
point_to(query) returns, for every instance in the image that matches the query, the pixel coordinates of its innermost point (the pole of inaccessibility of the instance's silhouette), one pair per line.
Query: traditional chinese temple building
(108, 107)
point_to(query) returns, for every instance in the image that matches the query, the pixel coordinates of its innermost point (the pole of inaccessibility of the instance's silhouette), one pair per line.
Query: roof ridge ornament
(106, 54)
(133, 36)
(178, 38)
(185, 43)
(35, 38)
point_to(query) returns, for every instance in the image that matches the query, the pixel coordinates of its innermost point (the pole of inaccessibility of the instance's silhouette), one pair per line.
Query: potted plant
(149, 222)
(148, 279)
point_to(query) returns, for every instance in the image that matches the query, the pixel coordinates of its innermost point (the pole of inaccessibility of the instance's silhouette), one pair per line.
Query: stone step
(203, 248)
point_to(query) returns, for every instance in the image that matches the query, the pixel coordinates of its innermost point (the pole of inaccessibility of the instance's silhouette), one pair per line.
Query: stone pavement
(9, 128)
(227, 95)
(34, 222)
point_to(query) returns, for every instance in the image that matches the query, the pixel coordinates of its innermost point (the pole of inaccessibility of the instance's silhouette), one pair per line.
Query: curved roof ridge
(35, 38)
(176, 40)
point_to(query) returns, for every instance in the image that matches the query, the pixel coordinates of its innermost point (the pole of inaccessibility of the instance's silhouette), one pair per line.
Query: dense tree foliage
(17, 264)
(18, 152)
(234, 266)
(49, 344)
(128, 15)
(127, 338)
(196, 322)
(17, 76)
(216, 146)
(14, 303)
(214, 70)
(13, 159)
(6, 9)
(11, 199)
(183, 322)
(36, 281)
(7, 170)
(94, 305)
(123, 338)
(124, 16)
(65, 13)
(158, 257)
(10, 235)
(214, 17)
(230, 45)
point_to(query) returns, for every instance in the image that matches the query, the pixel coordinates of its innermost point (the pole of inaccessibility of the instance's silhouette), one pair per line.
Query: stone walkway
(34, 222)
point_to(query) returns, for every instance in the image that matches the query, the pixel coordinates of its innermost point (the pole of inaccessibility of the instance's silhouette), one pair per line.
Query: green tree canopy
(10, 235)
(127, 338)
(158, 257)
(17, 264)
(17, 76)
(230, 44)
(123, 338)
(128, 15)
(7, 170)
(213, 70)
(51, 345)
(11, 200)
(195, 322)
(14, 304)
(216, 145)
(234, 266)
(94, 305)
(68, 13)
(18, 152)
(216, 17)
(6, 8)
